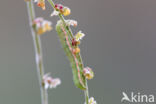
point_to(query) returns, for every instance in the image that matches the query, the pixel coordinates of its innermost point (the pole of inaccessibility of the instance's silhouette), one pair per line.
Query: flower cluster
(40, 3)
(59, 8)
(42, 25)
(50, 82)
(76, 42)
(92, 101)
(88, 73)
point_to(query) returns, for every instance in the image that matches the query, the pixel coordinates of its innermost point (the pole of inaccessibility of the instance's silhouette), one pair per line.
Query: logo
(137, 98)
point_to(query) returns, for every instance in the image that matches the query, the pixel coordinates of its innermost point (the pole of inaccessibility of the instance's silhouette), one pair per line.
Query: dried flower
(42, 25)
(76, 50)
(92, 101)
(79, 36)
(40, 3)
(50, 82)
(88, 73)
(59, 7)
(71, 23)
(75, 43)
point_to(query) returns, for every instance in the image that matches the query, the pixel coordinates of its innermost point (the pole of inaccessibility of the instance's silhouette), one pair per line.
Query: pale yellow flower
(79, 36)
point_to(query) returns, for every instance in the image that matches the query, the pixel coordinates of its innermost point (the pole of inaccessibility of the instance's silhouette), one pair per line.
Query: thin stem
(38, 52)
(86, 94)
(69, 31)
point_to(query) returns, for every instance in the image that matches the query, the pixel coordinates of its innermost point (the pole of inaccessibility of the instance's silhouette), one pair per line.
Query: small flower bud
(58, 7)
(76, 50)
(66, 11)
(88, 73)
(40, 31)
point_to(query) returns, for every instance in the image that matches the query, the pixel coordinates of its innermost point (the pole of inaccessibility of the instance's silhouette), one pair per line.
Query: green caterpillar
(75, 59)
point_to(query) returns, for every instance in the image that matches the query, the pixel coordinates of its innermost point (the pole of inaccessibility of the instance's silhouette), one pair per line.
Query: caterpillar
(74, 59)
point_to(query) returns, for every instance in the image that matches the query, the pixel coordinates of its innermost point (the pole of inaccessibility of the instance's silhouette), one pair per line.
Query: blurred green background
(120, 46)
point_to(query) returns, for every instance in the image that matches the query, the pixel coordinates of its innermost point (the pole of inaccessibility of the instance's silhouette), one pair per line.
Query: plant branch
(62, 19)
(69, 32)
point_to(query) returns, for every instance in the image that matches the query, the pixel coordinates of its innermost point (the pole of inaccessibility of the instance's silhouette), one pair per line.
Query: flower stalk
(38, 52)
(70, 34)
(62, 19)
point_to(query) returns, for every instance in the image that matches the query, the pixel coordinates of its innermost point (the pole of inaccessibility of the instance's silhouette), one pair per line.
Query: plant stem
(69, 31)
(62, 19)
(86, 94)
(38, 52)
